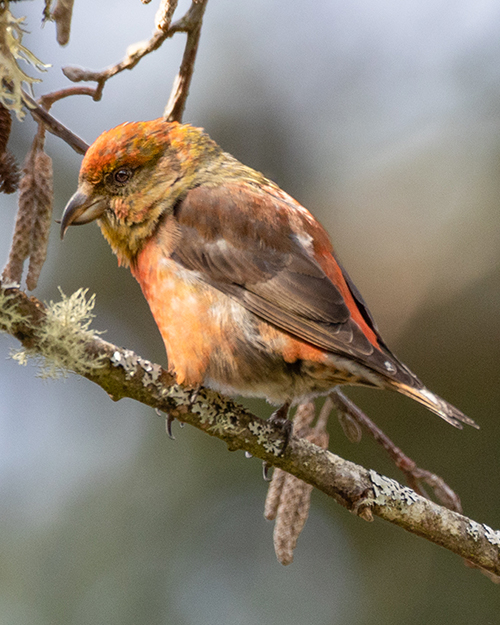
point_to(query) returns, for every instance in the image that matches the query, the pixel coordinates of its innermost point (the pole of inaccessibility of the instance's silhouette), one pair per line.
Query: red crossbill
(241, 279)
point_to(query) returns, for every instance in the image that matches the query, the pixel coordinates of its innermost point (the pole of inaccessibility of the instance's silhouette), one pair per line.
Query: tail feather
(437, 405)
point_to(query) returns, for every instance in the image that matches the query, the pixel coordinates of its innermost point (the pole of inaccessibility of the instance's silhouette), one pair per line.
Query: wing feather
(271, 272)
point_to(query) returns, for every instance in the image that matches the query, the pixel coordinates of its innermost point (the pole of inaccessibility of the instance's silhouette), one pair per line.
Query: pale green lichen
(492, 536)
(177, 393)
(12, 76)
(9, 315)
(388, 490)
(262, 432)
(61, 340)
(133, 364)
(224, 424)
(207, 411)
(474, 530)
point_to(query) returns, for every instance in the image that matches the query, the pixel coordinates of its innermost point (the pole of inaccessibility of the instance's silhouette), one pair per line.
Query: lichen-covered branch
(121, 373)
(12, 77)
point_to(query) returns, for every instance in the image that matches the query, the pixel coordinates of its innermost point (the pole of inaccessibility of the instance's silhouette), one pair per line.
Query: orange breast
(183, 309)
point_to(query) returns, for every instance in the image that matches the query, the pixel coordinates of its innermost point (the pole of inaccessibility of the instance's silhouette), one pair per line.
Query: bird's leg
(280, 418)
(414, 474)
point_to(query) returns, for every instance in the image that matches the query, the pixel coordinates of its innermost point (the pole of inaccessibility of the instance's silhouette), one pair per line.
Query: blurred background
(383, 118)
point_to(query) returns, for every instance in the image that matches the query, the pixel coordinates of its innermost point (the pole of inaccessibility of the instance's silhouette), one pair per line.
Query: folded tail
(439, 406)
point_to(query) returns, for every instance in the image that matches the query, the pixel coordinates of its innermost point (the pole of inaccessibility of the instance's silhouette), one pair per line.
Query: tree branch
(53, 125)
(190, 23)
(121, 373)
(180, 89)
(413, 474)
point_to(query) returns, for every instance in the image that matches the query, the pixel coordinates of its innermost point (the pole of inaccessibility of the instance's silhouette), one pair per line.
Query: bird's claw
(265, 471)
(169, 419)
(280, 418)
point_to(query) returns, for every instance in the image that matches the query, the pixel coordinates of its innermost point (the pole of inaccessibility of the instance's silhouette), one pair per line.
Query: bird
(242, 281)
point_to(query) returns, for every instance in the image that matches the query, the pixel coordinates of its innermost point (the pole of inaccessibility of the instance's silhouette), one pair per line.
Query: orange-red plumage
(241, 279)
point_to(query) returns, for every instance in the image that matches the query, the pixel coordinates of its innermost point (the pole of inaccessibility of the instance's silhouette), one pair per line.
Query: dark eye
(122, 176)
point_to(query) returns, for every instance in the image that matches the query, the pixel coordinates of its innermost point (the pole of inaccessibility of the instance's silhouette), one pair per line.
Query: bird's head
(133, 175)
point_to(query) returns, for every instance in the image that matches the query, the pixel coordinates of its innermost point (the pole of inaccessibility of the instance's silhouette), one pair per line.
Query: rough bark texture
(121, 373)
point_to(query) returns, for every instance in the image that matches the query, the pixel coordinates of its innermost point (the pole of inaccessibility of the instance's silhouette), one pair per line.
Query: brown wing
(243, 241)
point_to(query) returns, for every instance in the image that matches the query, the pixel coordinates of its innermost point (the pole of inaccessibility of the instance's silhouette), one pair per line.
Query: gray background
(382, 118)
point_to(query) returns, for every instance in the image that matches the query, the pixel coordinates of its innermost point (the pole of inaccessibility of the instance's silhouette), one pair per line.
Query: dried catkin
(62, 16)
(34, 215)
(350, 427)
(292, 514)
(42, 219)
(288, 498)
(9, 169)
(9, 173)
(5, 126)
(20, 247)
(274, 494)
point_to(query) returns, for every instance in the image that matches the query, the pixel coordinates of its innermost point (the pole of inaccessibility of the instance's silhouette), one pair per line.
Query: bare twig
(190, 23)
(413, 473)
(163, 17)
(47, 100)
(123, 374)
(180, 90)
(54, 126)
(134, 54)
(288, 498)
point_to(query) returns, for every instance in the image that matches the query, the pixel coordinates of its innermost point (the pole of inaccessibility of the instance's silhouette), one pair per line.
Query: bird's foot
(280, 418)
(169, 419)
(265, 471)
